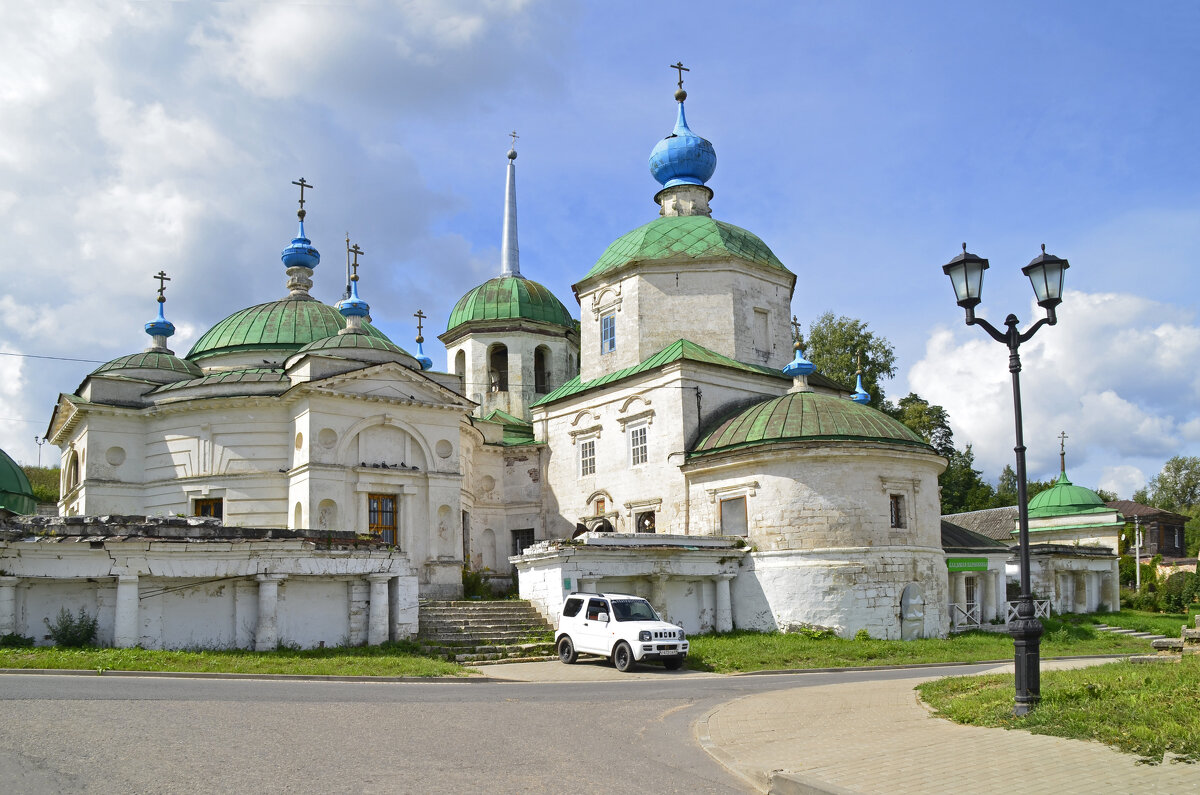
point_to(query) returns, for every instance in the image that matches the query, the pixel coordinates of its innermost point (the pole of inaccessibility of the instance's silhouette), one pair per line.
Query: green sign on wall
(966, 564)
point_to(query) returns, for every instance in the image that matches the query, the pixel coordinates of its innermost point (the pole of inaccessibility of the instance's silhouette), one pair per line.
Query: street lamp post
(1045, 272)
(39, 441)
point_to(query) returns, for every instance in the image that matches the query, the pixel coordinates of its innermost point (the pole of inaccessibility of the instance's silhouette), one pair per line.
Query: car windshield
(633, 610)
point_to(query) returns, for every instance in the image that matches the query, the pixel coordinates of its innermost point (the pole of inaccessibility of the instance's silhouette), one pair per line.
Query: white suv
(622, 627)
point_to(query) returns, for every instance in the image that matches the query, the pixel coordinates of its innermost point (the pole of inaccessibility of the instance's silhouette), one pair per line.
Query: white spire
(510, 264)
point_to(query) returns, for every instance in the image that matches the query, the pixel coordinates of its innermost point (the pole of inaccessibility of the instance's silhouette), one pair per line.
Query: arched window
(498, 368)
(72, 472)
(460, 364)
(541, 370)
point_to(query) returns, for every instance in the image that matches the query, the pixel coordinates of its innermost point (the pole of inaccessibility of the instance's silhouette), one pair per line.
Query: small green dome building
(16, 495)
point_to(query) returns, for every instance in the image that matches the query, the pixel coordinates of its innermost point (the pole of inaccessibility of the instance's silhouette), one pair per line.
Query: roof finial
(680, 94)
(510, 257)
(301, 213)
(346, 294)
(354, 309)
(160, 328)
(1062, 451)
(425, 362)
(860, 396)
(799, 368)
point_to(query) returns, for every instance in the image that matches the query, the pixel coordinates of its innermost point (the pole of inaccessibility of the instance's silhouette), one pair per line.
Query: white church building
(671, 442)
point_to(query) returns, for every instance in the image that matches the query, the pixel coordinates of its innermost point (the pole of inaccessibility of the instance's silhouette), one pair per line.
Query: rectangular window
(381, 509)
(733, 517)
(212, 508)
(897, 510)
(637, 445)
(521, 539)
(587, 457)
(608, 333)
(762, 333)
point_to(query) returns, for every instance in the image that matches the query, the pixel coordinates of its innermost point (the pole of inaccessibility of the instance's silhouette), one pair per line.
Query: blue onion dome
(160, 326)
(353, 306)
(860, 396)
(682, 158)
(425, 362)
(300, 254)
(799, 365)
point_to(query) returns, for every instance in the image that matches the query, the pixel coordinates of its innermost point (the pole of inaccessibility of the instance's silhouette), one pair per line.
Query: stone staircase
(479, 632)
(1173, 649)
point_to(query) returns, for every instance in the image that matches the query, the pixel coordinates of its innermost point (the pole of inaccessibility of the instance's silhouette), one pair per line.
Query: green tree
(1191, 537)
(1006, 488)
(962, 487)
(930, 422)
(44, 481)
(1177, 486)
(833, 345)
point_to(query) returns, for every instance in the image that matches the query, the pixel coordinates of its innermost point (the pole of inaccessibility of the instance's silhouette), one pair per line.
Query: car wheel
(674, 664)
(622, 657)
(566, 650)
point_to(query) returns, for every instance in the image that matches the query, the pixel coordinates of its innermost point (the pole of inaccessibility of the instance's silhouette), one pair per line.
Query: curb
(907, 666)
(275, 677)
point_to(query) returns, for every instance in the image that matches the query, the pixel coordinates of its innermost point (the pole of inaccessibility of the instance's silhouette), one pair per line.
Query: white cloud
(1117, 374)
(1122, 479)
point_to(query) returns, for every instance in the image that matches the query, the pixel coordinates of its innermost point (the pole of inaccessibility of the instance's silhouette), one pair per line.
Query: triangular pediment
(390, 382)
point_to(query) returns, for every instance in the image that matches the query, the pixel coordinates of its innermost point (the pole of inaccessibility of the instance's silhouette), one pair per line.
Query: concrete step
(547, 658)
(1168, 644)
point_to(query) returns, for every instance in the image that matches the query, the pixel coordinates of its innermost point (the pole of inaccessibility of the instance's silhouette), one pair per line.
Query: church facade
(672, 441)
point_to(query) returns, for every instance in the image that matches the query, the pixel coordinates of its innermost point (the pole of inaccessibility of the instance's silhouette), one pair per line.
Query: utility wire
(53, 358)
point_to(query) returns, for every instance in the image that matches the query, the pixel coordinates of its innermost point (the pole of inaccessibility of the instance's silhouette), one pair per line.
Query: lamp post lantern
(1045, 272)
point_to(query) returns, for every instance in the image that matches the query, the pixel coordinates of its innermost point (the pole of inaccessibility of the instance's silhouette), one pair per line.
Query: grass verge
(741, 651)
(390, 659)
(1147, 709)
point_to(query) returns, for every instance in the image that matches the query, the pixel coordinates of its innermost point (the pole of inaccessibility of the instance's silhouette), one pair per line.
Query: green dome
(685, 237)
(16, 495)
(289, 324)
(354, 341)
(806, 416)
(152, 360)
(1064, 498)
(510, 298)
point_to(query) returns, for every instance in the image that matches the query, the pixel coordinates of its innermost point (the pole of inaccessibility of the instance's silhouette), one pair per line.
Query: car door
(593, 633)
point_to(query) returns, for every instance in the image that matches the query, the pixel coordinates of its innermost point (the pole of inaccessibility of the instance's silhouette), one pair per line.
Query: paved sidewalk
(875, 737)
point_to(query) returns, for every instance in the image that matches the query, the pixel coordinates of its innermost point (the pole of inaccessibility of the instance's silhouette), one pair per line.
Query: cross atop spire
(355, 250)
(162, 280)
(303, 184)
(420, 316)
(1062, 451)
(514, 137)
(679, 67)
(797, 337)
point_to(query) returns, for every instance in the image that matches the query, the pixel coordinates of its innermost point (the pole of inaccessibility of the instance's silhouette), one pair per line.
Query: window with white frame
(608, 332)
(587, 457)
(637, 444)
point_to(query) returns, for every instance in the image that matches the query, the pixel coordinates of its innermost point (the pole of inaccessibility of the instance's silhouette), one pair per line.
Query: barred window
(897, 510)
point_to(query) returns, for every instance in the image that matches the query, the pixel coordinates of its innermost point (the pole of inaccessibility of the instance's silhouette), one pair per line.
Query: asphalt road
(167, 735)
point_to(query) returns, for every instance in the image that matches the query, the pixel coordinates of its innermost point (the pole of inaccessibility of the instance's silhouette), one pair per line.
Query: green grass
(1167, 624)
(1146, 709)
(391, 659)
(740, 651)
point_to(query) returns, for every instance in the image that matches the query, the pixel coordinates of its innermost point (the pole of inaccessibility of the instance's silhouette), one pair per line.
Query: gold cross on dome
(679, 67)
(163, 278)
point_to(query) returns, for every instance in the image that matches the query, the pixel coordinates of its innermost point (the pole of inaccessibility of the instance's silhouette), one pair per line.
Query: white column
(377, 620)
(266, 636)
(8, 604)
(125, 624)
(1111, 588)
(724, 618)
(658, 594)
(1000, 580)
(987, 596)
(1080, 601)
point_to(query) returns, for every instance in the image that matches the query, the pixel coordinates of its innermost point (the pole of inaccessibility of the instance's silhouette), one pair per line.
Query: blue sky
(862, 141)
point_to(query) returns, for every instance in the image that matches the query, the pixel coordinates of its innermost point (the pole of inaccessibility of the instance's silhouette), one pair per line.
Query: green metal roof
(357, 341)
(151, 360)
(685, 237)
(516, 430)
(510, 298)
(680, 349)
(248, 376)
(1064, 498)
(289, 324)
(806, 416)
(16, 495)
